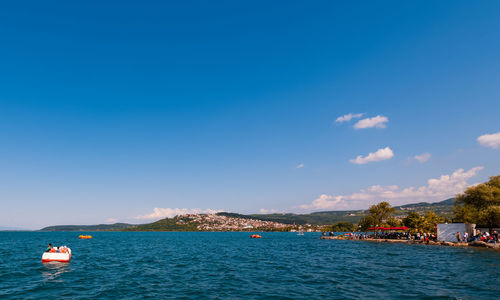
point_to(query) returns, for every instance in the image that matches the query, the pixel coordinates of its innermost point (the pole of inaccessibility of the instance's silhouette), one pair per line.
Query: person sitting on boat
(49, 248)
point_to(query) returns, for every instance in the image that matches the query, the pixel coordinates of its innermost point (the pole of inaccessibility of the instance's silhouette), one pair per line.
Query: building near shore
(447, 232)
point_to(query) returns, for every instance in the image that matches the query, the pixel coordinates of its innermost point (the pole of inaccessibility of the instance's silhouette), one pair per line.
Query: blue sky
(110, 109)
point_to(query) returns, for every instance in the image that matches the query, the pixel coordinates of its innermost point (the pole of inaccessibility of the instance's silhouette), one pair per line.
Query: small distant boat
(84, 236)
(300, 233)
(61, 254)
(255, 236)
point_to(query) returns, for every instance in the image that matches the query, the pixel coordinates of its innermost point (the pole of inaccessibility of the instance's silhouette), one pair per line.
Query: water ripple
(231, 265)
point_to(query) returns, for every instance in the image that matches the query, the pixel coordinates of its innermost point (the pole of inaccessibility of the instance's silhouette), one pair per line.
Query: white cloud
(423, 157)
(379, 155)
(111, 220)
(490, 140)
(160, 213)
(299, 166)
(348, 117)
(268, 211)
(326, 202)
(378, 122)
(444, 187)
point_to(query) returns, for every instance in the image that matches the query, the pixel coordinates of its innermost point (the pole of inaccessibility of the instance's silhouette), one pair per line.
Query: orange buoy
(85, 237)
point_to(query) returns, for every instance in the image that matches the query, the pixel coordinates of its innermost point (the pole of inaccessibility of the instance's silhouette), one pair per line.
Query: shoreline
(478, 244)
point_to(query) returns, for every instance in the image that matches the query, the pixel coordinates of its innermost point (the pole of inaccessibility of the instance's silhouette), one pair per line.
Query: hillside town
(214, 222)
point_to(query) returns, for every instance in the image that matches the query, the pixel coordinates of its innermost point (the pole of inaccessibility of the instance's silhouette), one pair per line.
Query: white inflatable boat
(63, 254)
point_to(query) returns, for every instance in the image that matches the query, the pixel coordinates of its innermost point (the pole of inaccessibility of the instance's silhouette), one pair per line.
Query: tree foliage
(381, 211)
(480, 204)
(430, 220)
(393, 222)
(342, 227)
(413, 220)
(426, 223)
(367, 222)
(378, 215)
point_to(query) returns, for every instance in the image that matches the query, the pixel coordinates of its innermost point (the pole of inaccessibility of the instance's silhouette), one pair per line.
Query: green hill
(442, 208)
(317, 218)
(100, 227)
(182, 223)
(167, 224)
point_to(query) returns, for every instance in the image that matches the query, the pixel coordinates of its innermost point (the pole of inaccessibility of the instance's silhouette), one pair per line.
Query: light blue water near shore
(231, 265)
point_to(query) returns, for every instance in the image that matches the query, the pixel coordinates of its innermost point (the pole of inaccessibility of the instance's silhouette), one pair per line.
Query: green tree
(342, 227)
(429, 221)
(378, 215)
(367, 222)
(393, 222)
(490, 216)
(480, 204)
(413, 221)
(381, 212)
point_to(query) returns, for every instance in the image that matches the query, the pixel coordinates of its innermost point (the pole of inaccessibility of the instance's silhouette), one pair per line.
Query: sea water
(130, 265)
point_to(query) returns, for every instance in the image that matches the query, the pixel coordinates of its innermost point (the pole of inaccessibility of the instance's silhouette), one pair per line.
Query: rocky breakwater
(420, 242)
(485, 245)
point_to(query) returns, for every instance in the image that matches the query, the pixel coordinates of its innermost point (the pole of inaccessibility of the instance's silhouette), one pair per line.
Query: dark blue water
(231, 265)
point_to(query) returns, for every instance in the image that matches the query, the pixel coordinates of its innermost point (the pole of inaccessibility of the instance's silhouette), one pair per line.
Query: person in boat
(49, 248)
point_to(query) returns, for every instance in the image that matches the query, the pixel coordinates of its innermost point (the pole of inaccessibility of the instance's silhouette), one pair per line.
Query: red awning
(389, 228)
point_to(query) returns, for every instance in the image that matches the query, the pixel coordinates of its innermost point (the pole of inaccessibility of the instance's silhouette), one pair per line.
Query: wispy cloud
(423, 157)
(379, 155)
(436, 189)
(348, 117)
(268, 211)
(300, 166)
(378, 122)
(160, 213)
(111, 220)
(490, 140)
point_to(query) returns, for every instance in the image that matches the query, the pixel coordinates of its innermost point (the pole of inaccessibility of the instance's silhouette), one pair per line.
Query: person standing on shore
(458, 237)
(465, 237)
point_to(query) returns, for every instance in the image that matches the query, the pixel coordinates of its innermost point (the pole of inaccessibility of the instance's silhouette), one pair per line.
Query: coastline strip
(413, 242)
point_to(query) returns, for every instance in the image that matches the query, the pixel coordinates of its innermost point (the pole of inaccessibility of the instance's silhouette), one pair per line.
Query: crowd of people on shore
(405, 236)
(480, 236)
(393, 235)
(425, 237)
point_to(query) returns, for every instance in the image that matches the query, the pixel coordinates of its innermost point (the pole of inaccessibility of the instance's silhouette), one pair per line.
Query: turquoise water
(231, 265)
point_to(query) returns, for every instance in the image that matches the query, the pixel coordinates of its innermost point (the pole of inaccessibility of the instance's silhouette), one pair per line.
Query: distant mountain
(447, 202)
(443, 208)
(211, 222)
(100, 227)
(316, 218)
(193, 223)
(168, 224)
(12, 229)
